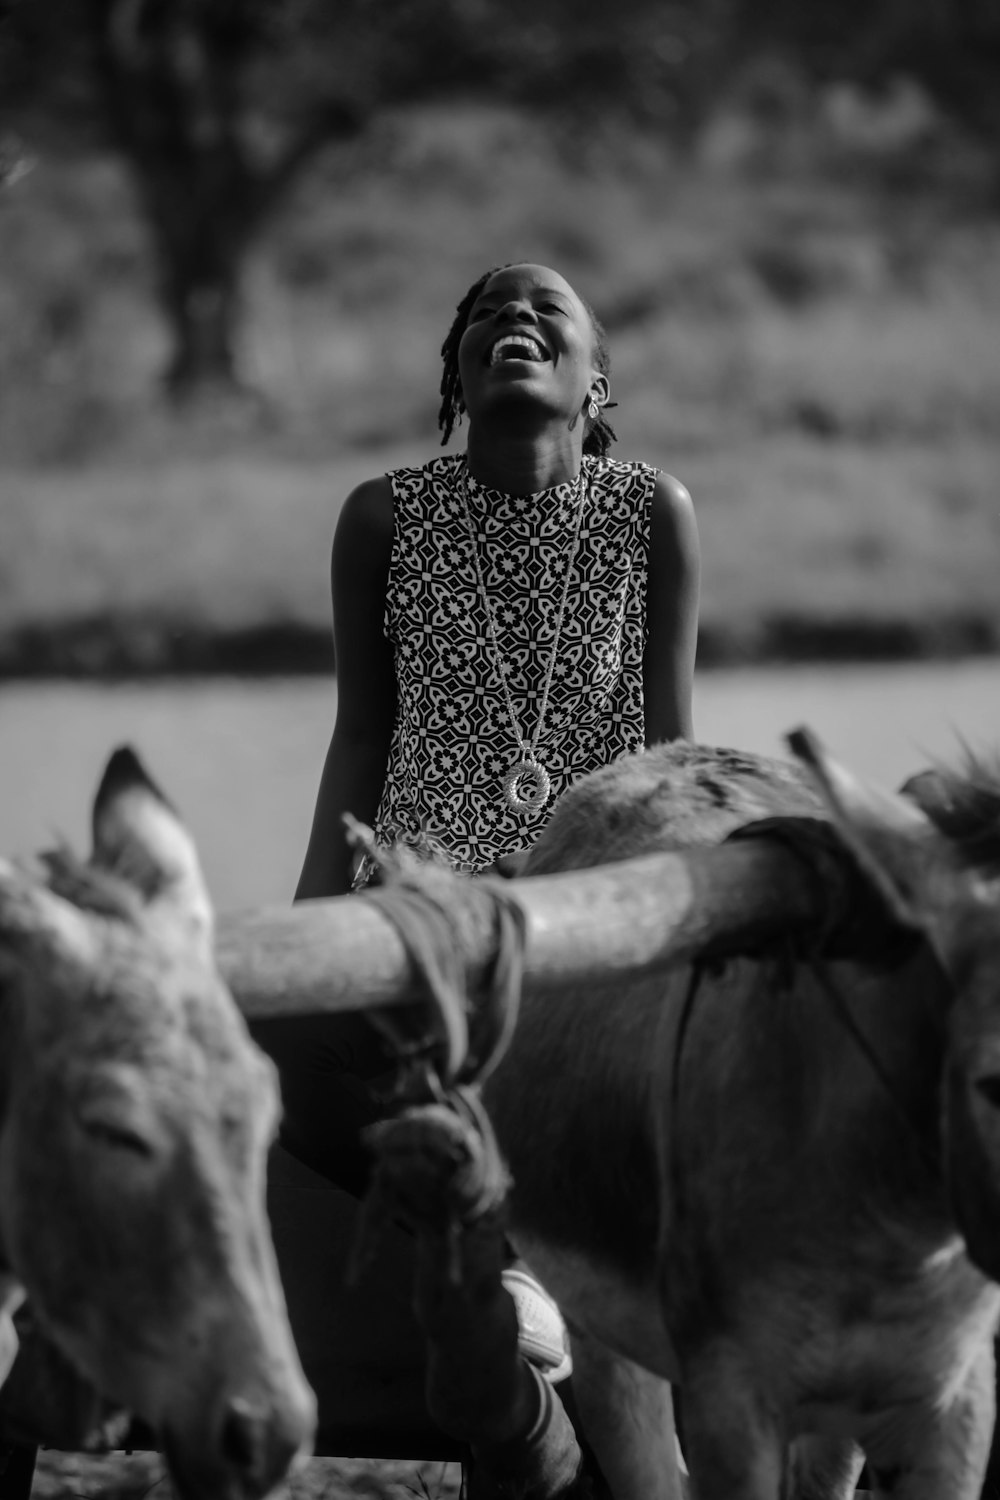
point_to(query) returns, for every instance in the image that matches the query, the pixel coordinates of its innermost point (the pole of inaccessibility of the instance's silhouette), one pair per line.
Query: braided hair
(599, 435)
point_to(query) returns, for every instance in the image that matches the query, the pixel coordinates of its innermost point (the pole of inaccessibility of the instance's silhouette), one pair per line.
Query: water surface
(241, 758)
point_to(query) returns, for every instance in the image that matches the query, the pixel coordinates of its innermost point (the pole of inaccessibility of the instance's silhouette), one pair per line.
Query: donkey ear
(932, 793)
(139, 837)
(895, 844)
(37, 925)
(12, 1295)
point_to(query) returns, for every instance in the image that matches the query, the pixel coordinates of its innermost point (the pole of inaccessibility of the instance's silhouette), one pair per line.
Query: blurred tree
(174, 74)
(950, 47)
(219, 104)
(660, 62)
(47, 83)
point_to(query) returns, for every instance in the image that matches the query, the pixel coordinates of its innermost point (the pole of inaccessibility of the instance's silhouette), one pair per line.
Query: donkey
(775, 1183)
(135, 1122)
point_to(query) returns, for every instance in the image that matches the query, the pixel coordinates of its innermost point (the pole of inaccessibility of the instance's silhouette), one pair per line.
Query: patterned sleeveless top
(453, 742)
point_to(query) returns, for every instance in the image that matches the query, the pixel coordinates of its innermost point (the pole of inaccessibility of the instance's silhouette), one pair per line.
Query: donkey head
(135, 1118)
(935, 855)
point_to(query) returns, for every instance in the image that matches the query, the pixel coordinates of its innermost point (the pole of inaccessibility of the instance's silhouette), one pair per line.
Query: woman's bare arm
(672, 587)
(354, 771)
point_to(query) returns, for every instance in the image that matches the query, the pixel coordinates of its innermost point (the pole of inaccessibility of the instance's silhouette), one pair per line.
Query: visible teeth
(532, 349)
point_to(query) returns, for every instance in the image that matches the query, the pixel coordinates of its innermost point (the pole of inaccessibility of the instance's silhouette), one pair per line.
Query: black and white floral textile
(453, 741)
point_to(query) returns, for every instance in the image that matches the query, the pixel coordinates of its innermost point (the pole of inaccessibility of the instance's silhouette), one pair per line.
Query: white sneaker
(541, 1332)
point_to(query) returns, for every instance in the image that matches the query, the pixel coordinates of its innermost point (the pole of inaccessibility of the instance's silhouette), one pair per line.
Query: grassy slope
(816, 358)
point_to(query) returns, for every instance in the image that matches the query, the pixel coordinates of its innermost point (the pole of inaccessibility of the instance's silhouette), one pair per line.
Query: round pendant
(526, 786)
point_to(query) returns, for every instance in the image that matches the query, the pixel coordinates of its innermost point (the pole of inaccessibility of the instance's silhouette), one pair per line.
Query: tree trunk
(171, 72)
(168, 84)
(201, 297)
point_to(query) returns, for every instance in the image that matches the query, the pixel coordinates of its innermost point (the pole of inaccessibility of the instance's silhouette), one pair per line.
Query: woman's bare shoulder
(673, 497)
(672, 516)
(364, 526)
(368, 507)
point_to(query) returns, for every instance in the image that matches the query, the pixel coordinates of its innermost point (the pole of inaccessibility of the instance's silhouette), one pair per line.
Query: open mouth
(520, 346)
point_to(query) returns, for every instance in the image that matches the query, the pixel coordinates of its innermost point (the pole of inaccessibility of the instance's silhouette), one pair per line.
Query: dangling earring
(593, 409)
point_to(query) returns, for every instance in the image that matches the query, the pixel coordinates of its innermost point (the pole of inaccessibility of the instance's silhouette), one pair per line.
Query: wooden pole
(610, 922)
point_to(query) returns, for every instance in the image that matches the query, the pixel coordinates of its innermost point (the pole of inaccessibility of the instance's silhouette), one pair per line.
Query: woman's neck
(522, 466)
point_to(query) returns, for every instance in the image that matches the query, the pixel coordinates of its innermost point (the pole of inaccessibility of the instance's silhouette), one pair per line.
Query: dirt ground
(142, 1476)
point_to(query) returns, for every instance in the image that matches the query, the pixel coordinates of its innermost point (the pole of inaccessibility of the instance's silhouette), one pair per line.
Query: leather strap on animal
(856, 922)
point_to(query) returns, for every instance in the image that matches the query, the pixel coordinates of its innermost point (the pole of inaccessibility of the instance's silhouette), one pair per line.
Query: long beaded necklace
(526, 785)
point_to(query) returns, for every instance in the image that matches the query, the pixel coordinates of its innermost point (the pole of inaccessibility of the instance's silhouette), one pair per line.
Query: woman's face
(529, 339)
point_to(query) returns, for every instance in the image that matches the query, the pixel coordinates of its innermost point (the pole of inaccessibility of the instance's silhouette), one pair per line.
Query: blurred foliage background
(233, 233)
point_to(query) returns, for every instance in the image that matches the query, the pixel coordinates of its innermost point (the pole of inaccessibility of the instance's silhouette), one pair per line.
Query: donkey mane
(86, 886)
(968, 812)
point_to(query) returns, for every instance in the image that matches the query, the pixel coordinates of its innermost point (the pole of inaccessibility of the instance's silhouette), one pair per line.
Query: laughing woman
(506, 620)
(510, 618)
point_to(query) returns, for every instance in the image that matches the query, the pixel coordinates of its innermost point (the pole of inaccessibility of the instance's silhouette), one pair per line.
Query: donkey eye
(118, 1134)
